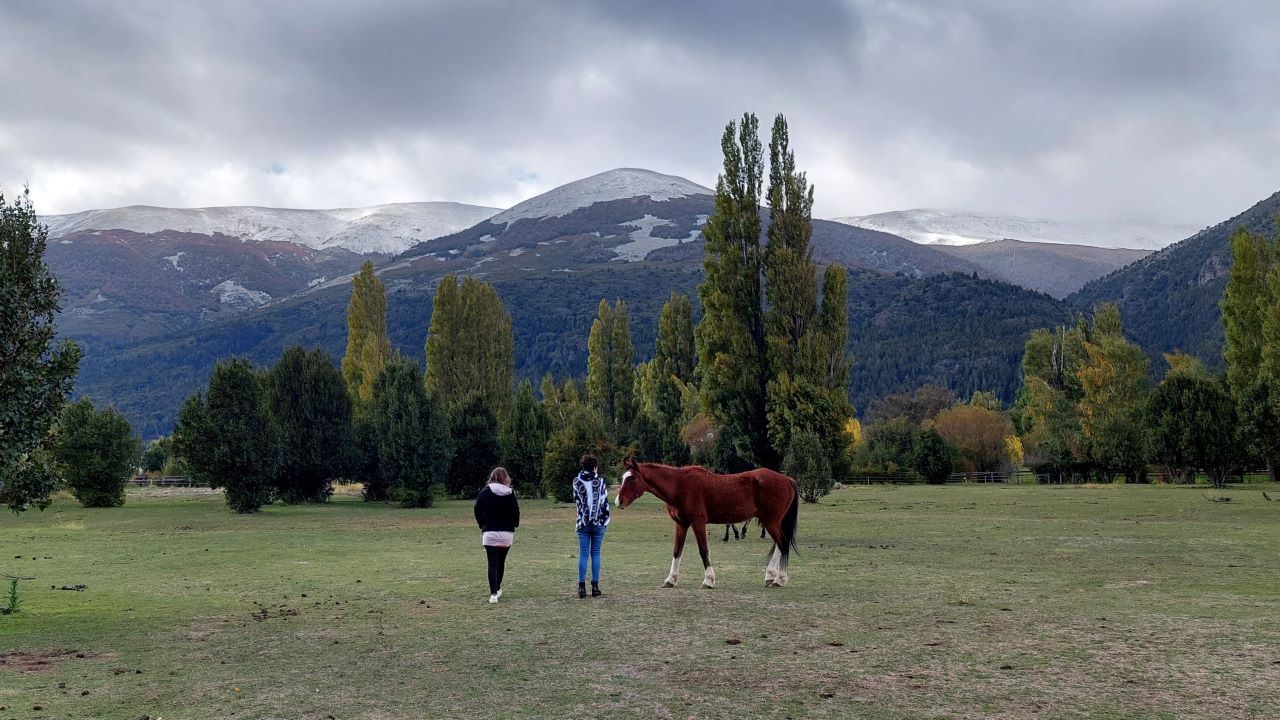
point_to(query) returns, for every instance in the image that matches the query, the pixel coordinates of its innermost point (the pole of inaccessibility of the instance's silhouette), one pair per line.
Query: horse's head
(632, 485)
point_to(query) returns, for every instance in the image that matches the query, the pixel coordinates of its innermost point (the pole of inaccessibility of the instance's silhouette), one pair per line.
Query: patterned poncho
(591, 495)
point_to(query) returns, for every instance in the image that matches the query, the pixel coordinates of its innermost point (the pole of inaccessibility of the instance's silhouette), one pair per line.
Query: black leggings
(497, 564)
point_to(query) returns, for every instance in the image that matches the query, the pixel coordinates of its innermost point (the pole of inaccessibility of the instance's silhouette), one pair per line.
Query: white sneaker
(493, 598)
(497, 595)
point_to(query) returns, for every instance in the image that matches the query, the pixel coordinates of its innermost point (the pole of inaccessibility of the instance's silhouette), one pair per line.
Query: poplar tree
(661, 386)
(808, 368)
(36, 373)
(610, 369)
(1246, 304)
(790, 273)
(1113, 378)
(733, 370)
(367, 345)
(674, 357)
(470, 347)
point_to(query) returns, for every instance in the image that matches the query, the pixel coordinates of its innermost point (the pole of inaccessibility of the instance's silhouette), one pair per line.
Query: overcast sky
(1094, 109)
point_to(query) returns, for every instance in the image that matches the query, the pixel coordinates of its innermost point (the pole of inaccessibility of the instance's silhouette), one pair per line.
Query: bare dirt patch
(42, 660)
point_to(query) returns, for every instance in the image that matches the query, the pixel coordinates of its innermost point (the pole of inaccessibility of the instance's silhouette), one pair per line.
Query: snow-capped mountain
(634, 215)
(384, 229)
(618, 184)
(941, 227)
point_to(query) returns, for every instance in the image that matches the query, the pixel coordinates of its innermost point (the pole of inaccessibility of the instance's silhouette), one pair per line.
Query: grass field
(957, 601)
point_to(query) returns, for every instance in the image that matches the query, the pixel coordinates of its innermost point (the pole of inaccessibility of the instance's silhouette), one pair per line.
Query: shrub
(807, 462)
(583, 432)
(933, 458)
(157, 455)
(978, 434)
(228, 437)
(97, 452)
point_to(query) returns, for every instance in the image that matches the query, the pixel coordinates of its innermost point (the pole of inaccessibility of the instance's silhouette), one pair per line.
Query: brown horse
(695, 496)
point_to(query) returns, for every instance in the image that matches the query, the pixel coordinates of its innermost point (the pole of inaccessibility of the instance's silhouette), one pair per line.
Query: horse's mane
(684, 469)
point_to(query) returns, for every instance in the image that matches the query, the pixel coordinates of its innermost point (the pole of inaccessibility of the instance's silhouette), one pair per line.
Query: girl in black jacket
(498, 515)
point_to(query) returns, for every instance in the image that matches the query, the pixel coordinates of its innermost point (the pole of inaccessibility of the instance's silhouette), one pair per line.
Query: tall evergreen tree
(523, 440)
(229, 437)
(412, 431)
(470, 349)
(610, 369)
(732, 365)
(368, 347)
(309, 400)
(475, 447)
(35, 374)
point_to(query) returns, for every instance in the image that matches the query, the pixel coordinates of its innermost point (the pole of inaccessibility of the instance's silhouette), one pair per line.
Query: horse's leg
(773, 575)
(726, 533)
(675, 556)
(708, 573)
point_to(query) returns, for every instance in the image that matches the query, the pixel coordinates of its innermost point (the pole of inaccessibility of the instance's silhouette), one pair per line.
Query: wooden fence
(161, 481)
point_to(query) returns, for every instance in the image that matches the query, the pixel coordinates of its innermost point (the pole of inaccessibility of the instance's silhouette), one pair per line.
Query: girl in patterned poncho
(591, 495)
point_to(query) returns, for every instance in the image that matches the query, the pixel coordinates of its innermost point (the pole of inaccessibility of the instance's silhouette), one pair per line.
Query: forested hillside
(1169, 300)
(957, 330)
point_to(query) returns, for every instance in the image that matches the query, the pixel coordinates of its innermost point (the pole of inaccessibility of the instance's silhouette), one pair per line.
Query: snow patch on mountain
(643, 242)
(232, 293)
(173, 260)
(941, 227)
(389, 229)
(618, 184)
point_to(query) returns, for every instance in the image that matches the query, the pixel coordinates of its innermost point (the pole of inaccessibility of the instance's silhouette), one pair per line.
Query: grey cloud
(1150, 108)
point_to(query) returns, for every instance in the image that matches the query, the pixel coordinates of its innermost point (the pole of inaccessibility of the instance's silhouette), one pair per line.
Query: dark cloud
(1153, 109)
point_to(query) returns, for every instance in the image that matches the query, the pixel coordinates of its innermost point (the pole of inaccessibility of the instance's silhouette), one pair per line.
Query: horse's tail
(789, 522)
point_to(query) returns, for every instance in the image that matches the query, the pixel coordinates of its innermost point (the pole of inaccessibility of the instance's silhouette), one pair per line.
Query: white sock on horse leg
(709, 577)
(771, 570)
(675, 572)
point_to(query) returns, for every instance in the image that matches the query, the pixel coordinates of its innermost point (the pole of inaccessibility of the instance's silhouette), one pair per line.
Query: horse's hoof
(668, 584)
(772, 584)
(708, 587)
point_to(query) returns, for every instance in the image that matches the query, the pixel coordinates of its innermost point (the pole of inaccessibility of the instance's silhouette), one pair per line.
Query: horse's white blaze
(621, 485)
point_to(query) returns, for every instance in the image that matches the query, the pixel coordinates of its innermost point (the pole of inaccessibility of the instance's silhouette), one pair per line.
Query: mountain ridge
(1169, 299)
(378, 229)
(944, 227)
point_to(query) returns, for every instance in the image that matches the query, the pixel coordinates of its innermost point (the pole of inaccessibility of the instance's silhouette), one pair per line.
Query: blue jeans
(590, 538)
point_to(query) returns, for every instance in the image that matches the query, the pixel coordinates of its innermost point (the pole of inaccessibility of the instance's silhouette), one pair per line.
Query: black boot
(582, 589)
(595, 590)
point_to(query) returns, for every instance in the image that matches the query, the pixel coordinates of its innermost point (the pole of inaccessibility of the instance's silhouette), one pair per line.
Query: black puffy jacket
(497, 513)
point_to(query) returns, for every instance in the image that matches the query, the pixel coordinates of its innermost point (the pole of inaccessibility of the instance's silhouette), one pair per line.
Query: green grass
(957, 601)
